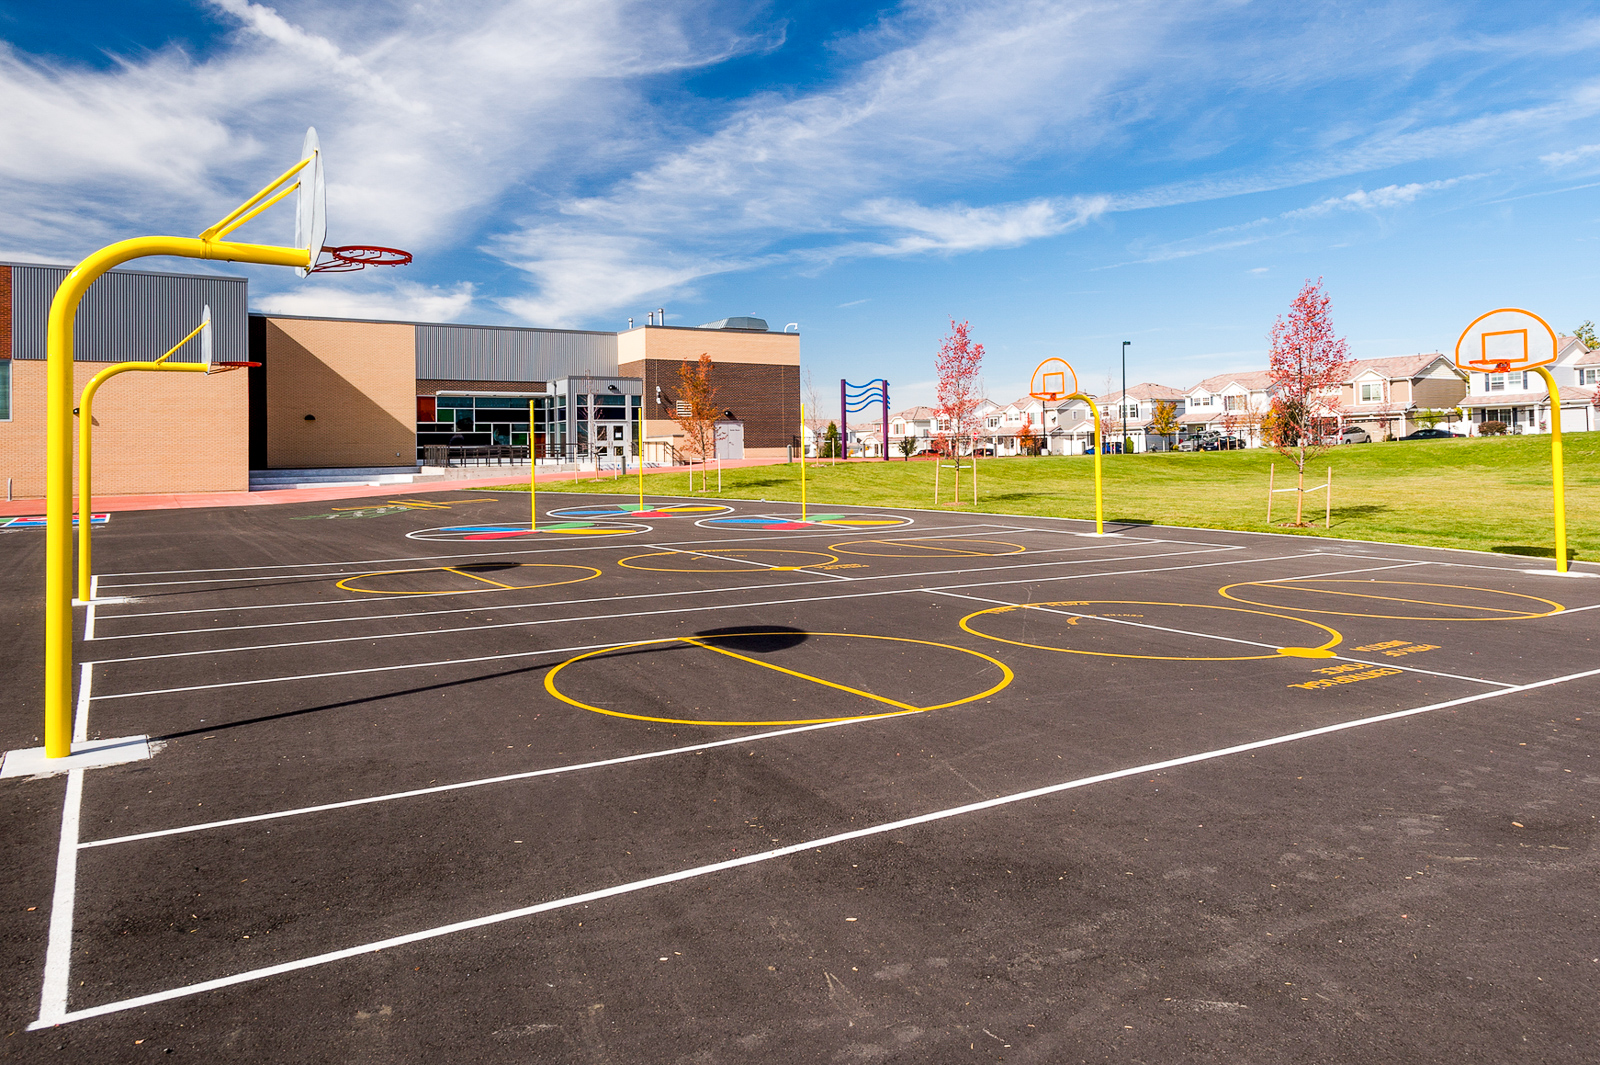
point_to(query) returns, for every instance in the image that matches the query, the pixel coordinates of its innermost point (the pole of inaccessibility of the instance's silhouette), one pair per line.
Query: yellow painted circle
(716, 561)
(1006, 677)
(1293, 652)
(913, 547)
(1376, 593)
(586, 573)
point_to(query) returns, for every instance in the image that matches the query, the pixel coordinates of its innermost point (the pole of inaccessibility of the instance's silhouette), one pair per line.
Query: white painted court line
(666, 594)
(485, 781)
(698, 609)
(58, 949)
(1391, 664)
(309, 572)
(357, 672)
(695, 872)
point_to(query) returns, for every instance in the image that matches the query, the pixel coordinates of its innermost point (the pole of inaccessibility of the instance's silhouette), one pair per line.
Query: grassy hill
(1484, 494)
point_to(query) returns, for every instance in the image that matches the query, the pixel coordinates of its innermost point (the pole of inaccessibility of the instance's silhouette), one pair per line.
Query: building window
(5, 390)
(1233, 402)
(1589, 376)
(1372, 391)
(683, 409)
(1505, 382)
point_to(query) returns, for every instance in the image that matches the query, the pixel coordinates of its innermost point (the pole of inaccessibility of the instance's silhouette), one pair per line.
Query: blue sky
(1065, 175)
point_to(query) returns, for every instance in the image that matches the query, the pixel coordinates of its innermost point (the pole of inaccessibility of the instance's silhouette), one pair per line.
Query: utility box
(730, 439)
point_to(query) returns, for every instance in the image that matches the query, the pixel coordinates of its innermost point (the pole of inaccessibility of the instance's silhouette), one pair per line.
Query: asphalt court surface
(871, 786)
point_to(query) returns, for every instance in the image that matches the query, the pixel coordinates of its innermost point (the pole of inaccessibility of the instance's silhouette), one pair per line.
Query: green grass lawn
(1483, 494)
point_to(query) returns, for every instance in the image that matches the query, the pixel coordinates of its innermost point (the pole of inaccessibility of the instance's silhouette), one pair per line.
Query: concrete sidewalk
(191, 500)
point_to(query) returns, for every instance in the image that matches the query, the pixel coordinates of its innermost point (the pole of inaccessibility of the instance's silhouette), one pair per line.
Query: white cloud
(1388, 196)
(1567, 158)
(399, 301)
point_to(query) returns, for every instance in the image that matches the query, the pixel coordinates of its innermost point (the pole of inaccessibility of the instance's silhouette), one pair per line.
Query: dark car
(1430, 434)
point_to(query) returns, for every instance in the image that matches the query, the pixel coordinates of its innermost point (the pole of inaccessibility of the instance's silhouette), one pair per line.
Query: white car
(1354, 434)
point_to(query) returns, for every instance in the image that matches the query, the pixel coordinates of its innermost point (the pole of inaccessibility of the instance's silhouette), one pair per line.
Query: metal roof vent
(751, 325)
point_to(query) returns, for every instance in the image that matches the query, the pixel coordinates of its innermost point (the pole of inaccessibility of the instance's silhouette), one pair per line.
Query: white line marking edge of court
(762, 856)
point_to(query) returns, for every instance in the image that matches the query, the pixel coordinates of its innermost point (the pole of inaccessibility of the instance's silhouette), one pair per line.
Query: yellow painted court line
(1006, 677)
(803, 676)
(1523, 615)
(1276, 653)
(475, 577)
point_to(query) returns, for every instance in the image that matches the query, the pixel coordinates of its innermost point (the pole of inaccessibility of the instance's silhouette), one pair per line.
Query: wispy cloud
(1567, 158)
(399, 301)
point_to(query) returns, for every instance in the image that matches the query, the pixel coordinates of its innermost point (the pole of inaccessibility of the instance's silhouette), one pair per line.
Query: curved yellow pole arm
(85, 435)
(58, 439)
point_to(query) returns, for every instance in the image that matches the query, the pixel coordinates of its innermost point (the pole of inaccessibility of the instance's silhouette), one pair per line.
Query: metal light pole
(1123, 402)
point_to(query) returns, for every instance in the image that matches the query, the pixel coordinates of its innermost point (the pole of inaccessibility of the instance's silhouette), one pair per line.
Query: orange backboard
(1053, 379)
(1504, 340)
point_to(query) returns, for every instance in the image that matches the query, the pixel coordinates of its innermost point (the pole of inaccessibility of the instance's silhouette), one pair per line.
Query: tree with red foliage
(1307, 366)
(695, 411)
(957, 365)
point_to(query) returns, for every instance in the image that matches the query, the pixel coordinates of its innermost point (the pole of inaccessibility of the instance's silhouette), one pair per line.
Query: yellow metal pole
(58, 448)
(533, 474)
(802, 462)
(639, 432)
(85, 434)
(1558, 477)
(1099, 446)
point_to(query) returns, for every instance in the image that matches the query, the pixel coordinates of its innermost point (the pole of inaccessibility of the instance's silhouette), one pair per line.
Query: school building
(361, 394)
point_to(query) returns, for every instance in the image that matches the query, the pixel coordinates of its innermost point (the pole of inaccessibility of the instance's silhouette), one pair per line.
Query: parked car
(1430, 434)
(1354, 434)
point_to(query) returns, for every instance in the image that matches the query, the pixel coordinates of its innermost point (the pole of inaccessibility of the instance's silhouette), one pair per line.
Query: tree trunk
(1300, 491)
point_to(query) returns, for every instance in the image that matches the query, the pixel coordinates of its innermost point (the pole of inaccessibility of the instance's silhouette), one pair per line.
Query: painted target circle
(520, 531)
(634, 510)
(782, 523)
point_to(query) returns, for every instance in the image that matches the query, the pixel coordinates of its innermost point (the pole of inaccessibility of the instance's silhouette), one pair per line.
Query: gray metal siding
(484, 353)
(129, 315)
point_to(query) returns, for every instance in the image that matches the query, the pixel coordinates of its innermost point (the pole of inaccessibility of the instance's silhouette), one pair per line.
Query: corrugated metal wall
(130, 314)
(485, 353)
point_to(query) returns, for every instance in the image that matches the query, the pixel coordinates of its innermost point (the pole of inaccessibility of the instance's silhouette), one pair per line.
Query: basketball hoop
(1053, 380)
(359, 257)
(224, 367)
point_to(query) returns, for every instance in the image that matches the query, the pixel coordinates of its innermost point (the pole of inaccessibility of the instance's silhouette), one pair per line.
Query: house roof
(1251, 380)
(918, 414)
(1146, 390)
(1200, 416)
(1398, 367)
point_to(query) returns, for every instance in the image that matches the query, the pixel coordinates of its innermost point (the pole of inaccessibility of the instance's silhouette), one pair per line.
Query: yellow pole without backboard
(802, 462)
(1099, 446)
(639, 432)
(58, 446)
(1558, 478)
(533, 473)
(85, 427)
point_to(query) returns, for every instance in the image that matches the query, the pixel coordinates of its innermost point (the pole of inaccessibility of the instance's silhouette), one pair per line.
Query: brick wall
(153, 433)
(357, 380)
(766, 397)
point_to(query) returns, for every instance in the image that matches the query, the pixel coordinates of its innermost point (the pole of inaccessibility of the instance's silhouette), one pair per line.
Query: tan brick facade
(757, 376)
(154, 432)
(358, 382)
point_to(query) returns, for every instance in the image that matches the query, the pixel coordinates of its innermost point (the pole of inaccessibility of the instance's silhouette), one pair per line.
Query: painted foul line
(698, 871)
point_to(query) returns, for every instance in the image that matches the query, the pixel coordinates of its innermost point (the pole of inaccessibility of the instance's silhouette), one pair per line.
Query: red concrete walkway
(187, 500)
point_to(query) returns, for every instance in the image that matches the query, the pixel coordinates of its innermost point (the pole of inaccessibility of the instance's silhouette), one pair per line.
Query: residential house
(1386, 396)
(1232, 404)
(1128, 416)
